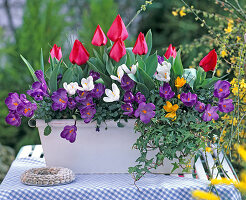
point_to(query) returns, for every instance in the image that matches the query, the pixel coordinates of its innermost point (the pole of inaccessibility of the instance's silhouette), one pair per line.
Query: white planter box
(107, 151)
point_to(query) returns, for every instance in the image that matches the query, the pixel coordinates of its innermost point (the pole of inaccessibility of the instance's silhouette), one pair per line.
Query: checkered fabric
(105, 186)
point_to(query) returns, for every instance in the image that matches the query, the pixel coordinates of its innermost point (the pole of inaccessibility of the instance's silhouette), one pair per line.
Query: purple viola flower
(226, 105)
(69, 133)
(95, 75)
(160, 59)
(200, 107)
(222, 89)
(37, 91)
(210, 113)
(166, 91)
(12, 101)
(40, 76)
(71, 103)
(87, 102)
(87, 113)
(145, 112)
(139, 98)
(82, 96)
(98, 90)
(59, 99)
(127, 83)
(188, 99)
(128, 108)
(27, 109)
(128, 97)
(13, 119)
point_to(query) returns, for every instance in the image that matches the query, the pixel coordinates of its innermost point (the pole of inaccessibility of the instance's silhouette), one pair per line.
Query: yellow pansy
(171, 109)
(198, 194)
(179, 82)
(174, 13)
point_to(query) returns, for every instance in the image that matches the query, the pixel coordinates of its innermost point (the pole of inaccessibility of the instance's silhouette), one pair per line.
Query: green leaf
(119, 124)
(99, 60)
(175, 166)
(121, 62)
(53, 78)
(178, 66)
(207, 83)
(29, 68)
(79, 73)
(130, 57)
(148, 39)
(47, 130)
(67, 77)
(148, 81)
(42, 60)
(141, 63)
(143, 89)
(109, 67)
(48, 72)
(151, 64)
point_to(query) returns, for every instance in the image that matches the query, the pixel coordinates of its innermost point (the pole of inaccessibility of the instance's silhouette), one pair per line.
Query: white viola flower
(163, 77)
(71, 88)
(132, 69)
(113, 95)
(163, 71)
(87, 84)
(165, 66)
(120, 74)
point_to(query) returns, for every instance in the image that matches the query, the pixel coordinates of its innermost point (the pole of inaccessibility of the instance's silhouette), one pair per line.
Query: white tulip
(120, 74)
(87, 84)
(71, 88)
(132, 69)
(163, 71)
(113, 95)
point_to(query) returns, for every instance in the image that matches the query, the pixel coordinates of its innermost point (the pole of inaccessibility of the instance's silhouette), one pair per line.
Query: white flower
(120, 74)
(71, 88)
(87, 84)
(133, 69)
(163, 71)
(113, 95)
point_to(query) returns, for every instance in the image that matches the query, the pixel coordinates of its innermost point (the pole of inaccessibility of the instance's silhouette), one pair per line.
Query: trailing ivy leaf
(47, 130)
(151, 64)
(148, 39)
(130, 57)
(178, 66)
(119, 124)
(42, 60)
(53, 78)
(29, 68)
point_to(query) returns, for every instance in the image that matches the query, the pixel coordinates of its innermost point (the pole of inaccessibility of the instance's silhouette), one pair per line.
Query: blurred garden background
(196, 27)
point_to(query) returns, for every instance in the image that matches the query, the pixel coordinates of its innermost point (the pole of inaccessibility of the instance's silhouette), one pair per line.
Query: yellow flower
(242, 152)
(223, 181)
(178, 96)
(223, 54)
(171, 109)
(235, 90)
(179, 82)
(241, 186)
(219, 72)
(233, 60)
(238, 38)
(198, 194)
(242, 84)
(225, 117)
(208, 149)
(175, 13)
(233, 81)
(228, 29)
(182, 13)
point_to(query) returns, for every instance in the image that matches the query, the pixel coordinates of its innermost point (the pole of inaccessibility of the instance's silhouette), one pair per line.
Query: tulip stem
(138, 12)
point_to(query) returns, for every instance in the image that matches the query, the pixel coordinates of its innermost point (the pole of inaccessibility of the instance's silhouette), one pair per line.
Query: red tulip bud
(117, 30)
(99, 38)
(118, 50)
(79, 54)
(209, 62)
(55, 52)
(140, 46)
(171, 51)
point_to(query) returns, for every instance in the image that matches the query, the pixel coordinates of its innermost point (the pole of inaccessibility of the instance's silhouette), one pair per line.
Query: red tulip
(171, 51)
(118, 50)
(117, 30)
(55, 52)
(209, 62)
(140, 46)
(99, 38)
(79, 54)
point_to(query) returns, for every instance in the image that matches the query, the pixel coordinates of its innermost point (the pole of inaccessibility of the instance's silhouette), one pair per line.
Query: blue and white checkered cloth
(106, 186)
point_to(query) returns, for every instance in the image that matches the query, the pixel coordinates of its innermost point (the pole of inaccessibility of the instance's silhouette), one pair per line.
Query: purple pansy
(12, 101)
(160, 59)
(69, 133)
(95, 75)
(98, 90)
(71, 103)
(128, 108)
(127, 83)
(222, 89)
(139, 97)
(87, 113)
(145, 112)
(210, 113)
(200, 107)
(188, 99)
(166, 91)
(128, 97)
(59, 99)
(13, 119)
(26, 108)
(37, 91)
(87, 102)
(226, 105)
(82, 96)
(40, 76)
